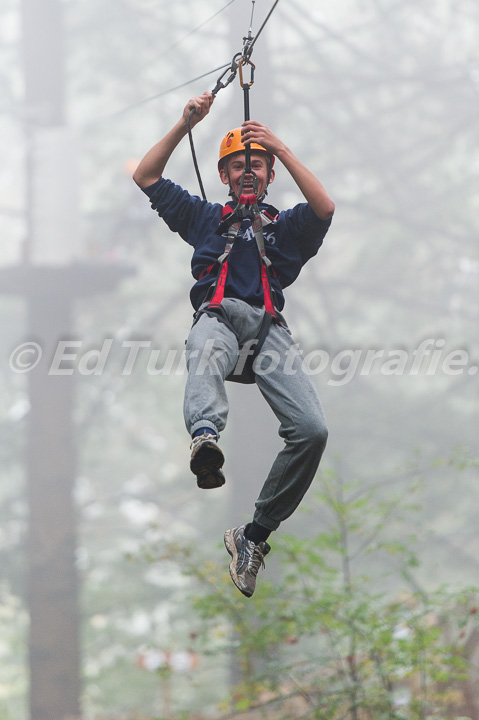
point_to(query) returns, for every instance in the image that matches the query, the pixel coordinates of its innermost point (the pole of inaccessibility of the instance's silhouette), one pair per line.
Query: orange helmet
(232, 143)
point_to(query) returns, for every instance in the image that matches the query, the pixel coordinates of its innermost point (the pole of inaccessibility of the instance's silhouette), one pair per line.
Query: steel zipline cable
(176, 87)
(233, 66)
(262, 26)
(182, 38)
(158, 95)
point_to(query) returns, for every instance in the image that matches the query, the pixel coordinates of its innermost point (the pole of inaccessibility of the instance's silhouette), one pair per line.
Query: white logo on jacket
(248, 235)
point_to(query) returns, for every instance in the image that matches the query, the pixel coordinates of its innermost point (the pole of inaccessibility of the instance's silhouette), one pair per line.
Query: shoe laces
(256, 560)
(202, 438)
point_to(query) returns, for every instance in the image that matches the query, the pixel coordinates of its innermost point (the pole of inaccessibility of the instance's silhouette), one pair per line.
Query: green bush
(345, 633)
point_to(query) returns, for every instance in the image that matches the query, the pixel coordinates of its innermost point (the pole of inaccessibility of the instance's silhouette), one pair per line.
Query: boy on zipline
(240, 270)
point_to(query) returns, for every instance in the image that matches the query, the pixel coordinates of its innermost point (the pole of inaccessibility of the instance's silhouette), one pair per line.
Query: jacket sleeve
(182, 212)
(307, 229)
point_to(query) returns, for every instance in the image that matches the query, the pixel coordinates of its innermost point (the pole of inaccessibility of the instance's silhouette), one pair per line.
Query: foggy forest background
(380, 99)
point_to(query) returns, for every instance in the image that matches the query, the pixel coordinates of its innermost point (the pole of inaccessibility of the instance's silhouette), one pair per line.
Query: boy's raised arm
(151, 168)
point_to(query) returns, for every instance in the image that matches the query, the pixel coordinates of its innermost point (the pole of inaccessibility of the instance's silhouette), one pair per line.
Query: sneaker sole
(210, 479)
(233, 551)
(206, 465)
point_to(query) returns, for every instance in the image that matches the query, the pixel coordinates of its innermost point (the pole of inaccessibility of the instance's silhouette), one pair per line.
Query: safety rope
(247, 206)
(232, 68)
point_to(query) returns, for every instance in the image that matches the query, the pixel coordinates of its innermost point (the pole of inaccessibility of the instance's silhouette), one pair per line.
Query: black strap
(246, 358)
(247, 353)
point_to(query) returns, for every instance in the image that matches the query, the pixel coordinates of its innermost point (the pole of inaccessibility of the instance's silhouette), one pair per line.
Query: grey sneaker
(206, 461)
(247, 558)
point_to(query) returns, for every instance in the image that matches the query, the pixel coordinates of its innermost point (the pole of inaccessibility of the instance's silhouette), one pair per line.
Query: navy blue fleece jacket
(290, 241)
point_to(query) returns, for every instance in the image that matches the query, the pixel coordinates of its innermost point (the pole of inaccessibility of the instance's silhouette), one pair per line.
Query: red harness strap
(220, 285)
(268, 301)
(219, 292)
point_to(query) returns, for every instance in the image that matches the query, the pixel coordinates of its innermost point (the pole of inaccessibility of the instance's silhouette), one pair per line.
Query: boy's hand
(253, 131)
(310, 186)
(201, 105)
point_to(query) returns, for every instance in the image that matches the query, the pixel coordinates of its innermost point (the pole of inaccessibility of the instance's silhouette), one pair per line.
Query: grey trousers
(212, 354)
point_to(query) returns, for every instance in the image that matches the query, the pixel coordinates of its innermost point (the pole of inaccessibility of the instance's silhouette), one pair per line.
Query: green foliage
(327, 639)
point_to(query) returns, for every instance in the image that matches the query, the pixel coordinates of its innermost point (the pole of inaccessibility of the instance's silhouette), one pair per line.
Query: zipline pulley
(239, 61)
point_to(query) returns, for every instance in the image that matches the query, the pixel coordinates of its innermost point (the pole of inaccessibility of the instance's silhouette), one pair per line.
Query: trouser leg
(211, 354)
(293, 398)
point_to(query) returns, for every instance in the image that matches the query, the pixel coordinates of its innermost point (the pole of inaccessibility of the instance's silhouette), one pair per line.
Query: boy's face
(231, 175)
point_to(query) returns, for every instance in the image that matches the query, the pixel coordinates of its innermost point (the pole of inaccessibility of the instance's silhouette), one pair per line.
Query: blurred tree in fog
(380, 99)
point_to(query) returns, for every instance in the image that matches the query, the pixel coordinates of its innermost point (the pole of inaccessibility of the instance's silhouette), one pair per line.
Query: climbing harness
(247, 207)
(232, 220)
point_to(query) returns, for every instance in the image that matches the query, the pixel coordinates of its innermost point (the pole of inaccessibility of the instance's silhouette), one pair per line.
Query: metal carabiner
(233, 69)
(246, 61)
